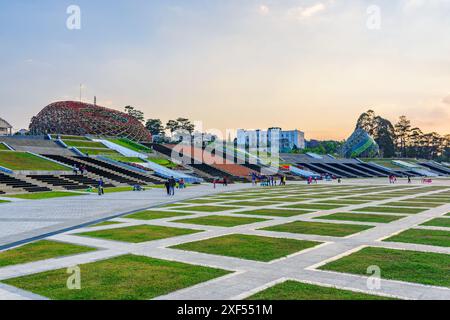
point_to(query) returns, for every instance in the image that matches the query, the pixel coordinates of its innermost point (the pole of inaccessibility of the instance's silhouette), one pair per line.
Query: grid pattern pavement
(249, 276)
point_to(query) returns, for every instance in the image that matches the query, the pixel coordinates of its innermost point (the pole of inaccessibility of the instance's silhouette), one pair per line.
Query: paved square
(296, 242)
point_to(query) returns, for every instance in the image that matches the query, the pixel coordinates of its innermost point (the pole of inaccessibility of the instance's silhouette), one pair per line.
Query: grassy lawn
(84, 144)
(314, 206)
(343, 202)
(202, 201)
(425, 200)
(94, 152)
(131, 145)
(153, 215)
(40, 250)
(105, 223)
(391, 210)
(421, 236)
(361, 217)
(26, 161)
(137, 234)
(286, 200)
(220, 221)
(410, 266)
(163, 162)
(253, 203)
(438, 222)
(293, 290)
(248, 247)
(3, 147)
(319, 228)
(207, 208)
(4, 201)
(275, 212)
(45, 195)
(127, 159)
(69, 137)
(412, 204)
(120, 189)
(126, 277)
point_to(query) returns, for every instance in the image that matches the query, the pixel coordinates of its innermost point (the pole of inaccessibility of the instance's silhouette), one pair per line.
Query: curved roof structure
(77, 118)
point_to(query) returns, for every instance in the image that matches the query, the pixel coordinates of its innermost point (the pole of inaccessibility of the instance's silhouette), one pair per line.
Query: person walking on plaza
(100, 189)
(182, 184)
(225, 182)
(167, 185)
(172, 184)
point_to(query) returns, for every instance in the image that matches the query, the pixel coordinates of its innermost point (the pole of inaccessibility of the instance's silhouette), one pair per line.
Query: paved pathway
(250, 277)
(24, 220)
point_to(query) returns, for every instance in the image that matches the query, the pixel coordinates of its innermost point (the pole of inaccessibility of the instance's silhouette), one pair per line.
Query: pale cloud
(301, 13)
(409, 5)
(446, 100)
(263, 10)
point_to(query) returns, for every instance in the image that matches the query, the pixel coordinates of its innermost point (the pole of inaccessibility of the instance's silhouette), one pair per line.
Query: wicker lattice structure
(77, 118)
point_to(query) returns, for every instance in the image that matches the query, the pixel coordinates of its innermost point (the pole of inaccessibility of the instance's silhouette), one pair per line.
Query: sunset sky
(311, 65)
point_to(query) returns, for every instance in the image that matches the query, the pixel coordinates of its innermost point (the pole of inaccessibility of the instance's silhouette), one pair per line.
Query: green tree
(402, 132)
(137, 114)
(172, 126)
(155, 126)
(385, 135)
(185, 124)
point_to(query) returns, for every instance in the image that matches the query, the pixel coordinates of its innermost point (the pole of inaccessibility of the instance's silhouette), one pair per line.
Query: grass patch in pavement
(220, 221)
(410, 266)
(40, 250)
(203, 201)
(275, 212)
(137, 234)
(248, 247)
(311, 206)
(293, 290)
(253, 203)
(342, 201)
(319, 228)
(363, 217)
(4, 201)
(423, 236)
(104, 224)
(208, 208)
(410, 204)
(438, 222)
(390, 210)
(153, 215)
(127, 277)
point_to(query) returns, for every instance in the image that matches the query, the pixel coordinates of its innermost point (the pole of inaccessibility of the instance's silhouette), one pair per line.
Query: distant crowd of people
(268, 181)
(171, 184)
(82, 169)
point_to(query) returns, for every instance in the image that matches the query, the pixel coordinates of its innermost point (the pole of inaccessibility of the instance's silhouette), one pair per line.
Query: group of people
(171, 184)
(81, 169)
(224, 182)
(312, 180)
(268, 181)
(393, 179)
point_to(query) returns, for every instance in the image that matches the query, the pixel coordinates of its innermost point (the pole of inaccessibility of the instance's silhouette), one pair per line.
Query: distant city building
(287, 140)
(360, 144)
(5, 127)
